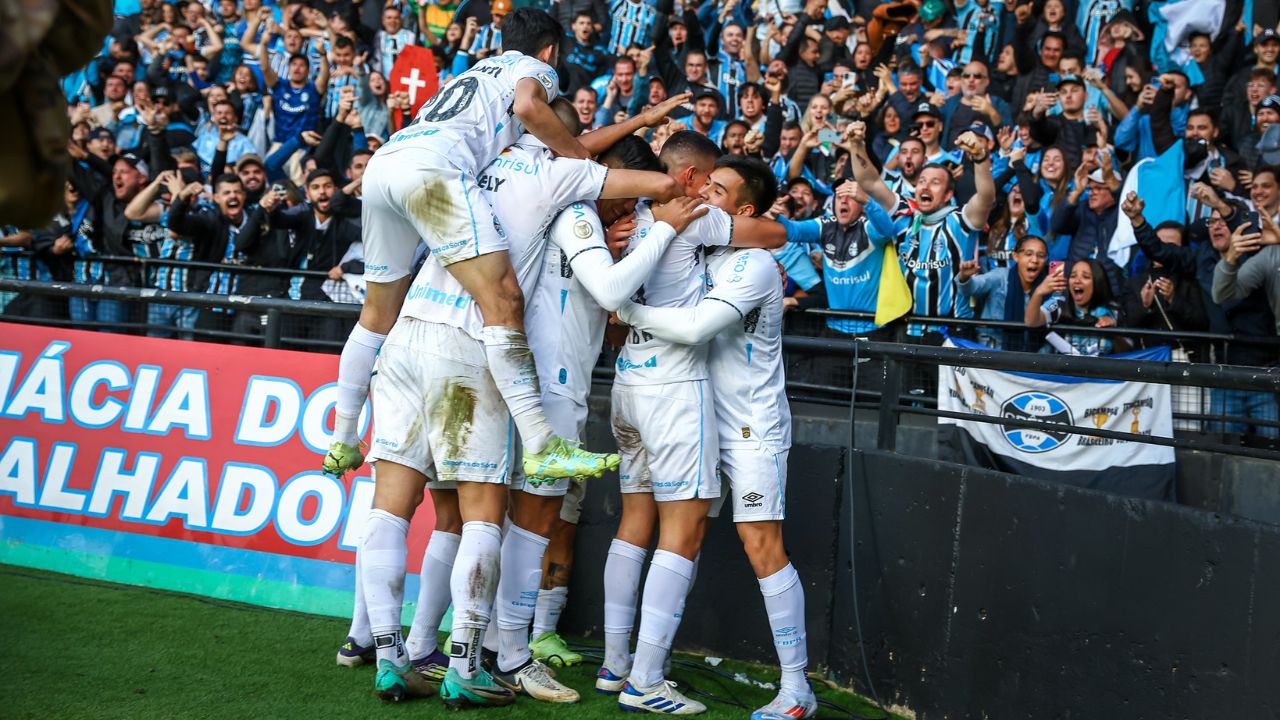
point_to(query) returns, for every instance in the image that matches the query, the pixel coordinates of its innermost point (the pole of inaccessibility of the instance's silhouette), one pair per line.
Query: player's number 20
(450, 101)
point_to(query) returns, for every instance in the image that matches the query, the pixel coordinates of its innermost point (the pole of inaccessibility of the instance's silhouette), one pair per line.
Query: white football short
(435, 407)
(757, 481)
(666, 436)
(417, 194)
(568, 419)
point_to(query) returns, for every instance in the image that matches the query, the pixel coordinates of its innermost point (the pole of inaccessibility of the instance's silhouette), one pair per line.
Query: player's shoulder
(579, 221)
(754, 266)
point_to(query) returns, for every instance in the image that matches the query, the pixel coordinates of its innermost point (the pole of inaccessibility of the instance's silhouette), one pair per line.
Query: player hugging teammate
(495, 338)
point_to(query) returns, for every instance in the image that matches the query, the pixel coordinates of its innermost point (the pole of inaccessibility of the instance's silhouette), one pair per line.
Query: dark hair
(1272, 170)
(235, 110)
(343, 42)
(568, 114)
(1073, 53)
(911, 138)
(585, 14)
(909, 69)
(1054, 34)
(951, 181)
(226, 178)
(1213, 116)
(320, 172)
(530, 31)
(620, 60)
(746, 86)
(687, 148)
(791, 125)
(298, 56)
(362, 151)
(758, 182)
(631, 153)
(1262, 74)
(1102, 293)
(1022, 241)
(1173, 225)
(588, 89)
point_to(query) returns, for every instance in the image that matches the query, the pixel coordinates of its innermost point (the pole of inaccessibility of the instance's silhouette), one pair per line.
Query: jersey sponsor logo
(504, 163)
(625, 364)
(490, 183)
(752, 500)
(490, 71)
(582, 229)
(439, 297)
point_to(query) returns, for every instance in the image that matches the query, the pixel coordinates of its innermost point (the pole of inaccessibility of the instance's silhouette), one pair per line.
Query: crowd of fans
(1006, 142)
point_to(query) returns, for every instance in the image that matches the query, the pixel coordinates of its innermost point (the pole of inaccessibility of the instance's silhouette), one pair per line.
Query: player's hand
(679, 212)
(1133, 207)
(968, 269)
(618, 235)
(657, 115)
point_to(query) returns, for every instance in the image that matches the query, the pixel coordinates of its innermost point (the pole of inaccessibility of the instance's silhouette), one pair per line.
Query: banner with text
(1076, 457)
(180, 465)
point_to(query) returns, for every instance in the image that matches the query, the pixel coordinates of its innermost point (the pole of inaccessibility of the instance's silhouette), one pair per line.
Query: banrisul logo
(1041, 407)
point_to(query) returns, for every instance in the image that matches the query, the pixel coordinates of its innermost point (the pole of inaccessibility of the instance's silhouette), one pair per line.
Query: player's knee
(536, 513)
(762, 542)
(448, 517)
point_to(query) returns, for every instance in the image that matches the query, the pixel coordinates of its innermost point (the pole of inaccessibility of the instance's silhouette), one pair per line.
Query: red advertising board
(194, 457)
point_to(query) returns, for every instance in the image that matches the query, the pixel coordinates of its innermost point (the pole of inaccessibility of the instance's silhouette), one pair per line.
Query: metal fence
(890, 372)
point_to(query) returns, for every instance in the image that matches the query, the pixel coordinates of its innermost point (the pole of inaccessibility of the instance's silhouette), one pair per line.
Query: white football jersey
(469, 121)
(527, 186)
(566, 325)
(745, 359)
(680, 280)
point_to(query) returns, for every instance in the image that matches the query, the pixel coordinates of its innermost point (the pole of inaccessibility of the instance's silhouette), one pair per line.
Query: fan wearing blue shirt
(297, 102)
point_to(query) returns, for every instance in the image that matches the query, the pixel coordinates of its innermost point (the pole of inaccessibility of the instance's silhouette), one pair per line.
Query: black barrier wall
(985, 595)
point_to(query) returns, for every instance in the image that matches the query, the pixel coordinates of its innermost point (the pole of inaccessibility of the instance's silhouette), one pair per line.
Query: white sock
(784, 601)
(354, 370)
(522, 553)
(360, 631)
(383, 563)
(433, 593)
(622, 571)
(511, 364)
(491, 631)
(550, 604)
(665, 591)
(473, 583)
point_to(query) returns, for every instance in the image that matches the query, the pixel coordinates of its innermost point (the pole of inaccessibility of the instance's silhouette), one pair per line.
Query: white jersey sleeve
(571, 180)
(711, 230)
(581, 237)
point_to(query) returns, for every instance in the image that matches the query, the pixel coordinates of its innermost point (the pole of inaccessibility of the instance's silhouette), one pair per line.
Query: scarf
(920, 219)
(1015, 298)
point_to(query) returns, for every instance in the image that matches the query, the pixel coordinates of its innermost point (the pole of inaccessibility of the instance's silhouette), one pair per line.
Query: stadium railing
(896, 369)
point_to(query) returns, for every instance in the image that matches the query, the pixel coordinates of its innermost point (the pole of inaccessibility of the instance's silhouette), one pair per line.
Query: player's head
(532, 32)
(629, 153)
(689, 157)
(933, 188)
(741, 186)
(567, 113)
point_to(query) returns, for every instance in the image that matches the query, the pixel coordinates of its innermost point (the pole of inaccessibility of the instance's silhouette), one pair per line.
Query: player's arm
(729, 302)
(610, 283)
(640, 183)
(531, 108)
(750, 232)
(597, 141)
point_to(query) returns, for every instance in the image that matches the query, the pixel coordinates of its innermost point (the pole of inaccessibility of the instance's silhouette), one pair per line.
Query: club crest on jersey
(746, 432)
(582, 229)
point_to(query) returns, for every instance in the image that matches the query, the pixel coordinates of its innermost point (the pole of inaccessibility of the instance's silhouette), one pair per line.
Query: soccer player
(741, 318)
(661, 420)
(423, 184)
(440, 415)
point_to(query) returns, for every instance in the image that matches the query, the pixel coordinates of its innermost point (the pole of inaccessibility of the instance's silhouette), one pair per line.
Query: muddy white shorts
(756, 480)
(435, 407)
(415, 194)
(666, 436)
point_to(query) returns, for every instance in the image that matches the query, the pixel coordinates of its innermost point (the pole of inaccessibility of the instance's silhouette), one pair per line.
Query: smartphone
(1252, 222)
(829, 136)
(849, 80)
(278, 189)
(1055, 266)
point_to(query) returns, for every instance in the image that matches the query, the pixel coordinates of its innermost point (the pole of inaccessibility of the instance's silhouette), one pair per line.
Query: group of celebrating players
(493, 341)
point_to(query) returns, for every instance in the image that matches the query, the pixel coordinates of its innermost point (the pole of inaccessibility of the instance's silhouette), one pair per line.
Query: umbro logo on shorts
(753, 499)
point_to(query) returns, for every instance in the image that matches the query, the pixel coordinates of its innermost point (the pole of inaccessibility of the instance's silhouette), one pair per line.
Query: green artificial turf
(78, 648)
